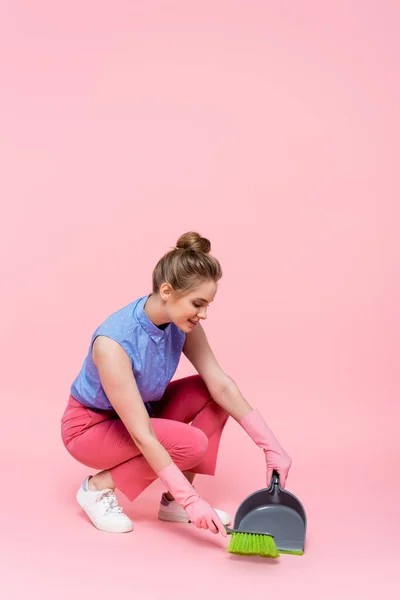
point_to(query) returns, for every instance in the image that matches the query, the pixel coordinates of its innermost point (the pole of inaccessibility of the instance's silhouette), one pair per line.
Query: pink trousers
(99, 439)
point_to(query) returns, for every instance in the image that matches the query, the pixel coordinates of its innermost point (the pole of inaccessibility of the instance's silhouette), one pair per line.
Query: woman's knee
(191, 447)
(189, 385)
(199, 443)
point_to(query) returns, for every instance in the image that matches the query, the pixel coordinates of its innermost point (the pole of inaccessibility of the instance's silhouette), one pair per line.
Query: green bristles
(252, 544)
(297, 552)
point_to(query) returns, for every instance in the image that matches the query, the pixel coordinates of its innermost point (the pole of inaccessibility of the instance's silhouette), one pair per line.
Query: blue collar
(153, 331)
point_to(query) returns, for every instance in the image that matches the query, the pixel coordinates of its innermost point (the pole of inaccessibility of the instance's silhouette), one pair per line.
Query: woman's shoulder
(122, 319)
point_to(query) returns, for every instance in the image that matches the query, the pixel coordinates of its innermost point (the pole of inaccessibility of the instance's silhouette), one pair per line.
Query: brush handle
(230, 531)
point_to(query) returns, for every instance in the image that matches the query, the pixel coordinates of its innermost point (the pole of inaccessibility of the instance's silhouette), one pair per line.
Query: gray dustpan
(275, 512)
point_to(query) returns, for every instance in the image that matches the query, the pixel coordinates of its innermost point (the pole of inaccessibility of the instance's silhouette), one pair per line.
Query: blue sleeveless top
(154, 354)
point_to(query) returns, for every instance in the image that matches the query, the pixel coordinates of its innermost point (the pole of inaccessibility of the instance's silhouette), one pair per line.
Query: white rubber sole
(174, 518)
(171, 517)
(121, 528)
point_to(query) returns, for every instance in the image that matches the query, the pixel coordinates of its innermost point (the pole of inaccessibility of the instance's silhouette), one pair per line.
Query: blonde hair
(186, 265)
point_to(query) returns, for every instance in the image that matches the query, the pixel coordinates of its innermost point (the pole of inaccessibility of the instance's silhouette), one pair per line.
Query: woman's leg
(188, 400)
(101, 441)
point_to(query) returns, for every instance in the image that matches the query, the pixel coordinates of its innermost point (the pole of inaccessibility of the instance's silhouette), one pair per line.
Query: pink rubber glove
(275, 456)
(198, 510)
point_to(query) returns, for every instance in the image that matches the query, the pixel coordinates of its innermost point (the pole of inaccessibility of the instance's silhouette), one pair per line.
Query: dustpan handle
(275, 481)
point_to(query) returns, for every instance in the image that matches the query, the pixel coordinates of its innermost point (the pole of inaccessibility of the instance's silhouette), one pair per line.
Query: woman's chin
(186, 327)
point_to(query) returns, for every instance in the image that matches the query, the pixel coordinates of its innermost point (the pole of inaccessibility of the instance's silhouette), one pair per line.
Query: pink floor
(50, 550)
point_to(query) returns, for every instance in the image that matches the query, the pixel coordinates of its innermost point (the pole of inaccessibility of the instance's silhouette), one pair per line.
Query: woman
(126, 419)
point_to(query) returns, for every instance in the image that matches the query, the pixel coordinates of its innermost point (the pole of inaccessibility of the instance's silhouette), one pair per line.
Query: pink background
(273, 129)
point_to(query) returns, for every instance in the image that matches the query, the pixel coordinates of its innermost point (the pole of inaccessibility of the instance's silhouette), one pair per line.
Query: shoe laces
(110, 502)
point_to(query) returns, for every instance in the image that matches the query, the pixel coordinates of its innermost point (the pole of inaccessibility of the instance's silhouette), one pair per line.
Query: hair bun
(194, 241)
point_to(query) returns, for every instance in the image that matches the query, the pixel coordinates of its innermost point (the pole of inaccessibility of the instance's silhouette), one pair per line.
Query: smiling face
(187, 309)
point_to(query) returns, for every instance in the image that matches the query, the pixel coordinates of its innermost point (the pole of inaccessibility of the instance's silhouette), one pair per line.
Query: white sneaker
(102, 509)
(170, 510)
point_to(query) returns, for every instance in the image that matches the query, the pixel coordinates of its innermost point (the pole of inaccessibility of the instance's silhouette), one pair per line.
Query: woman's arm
(118, 381)
(231, 399)
(119, 384)
(222, 388)
(225, 392)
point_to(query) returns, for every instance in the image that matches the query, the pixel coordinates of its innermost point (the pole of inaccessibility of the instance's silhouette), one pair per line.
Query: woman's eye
(196, 305)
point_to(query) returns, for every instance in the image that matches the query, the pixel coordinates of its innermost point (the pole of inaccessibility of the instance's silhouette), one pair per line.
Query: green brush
(252, 544)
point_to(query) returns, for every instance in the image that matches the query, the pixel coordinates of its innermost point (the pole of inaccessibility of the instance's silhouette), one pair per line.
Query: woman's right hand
(198, 510)
(203, 516)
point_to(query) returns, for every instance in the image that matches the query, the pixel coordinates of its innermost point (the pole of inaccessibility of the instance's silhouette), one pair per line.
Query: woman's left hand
(276, 457)
(280, 461)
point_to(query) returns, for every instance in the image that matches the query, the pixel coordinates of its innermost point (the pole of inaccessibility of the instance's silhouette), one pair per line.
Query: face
(188, 309)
